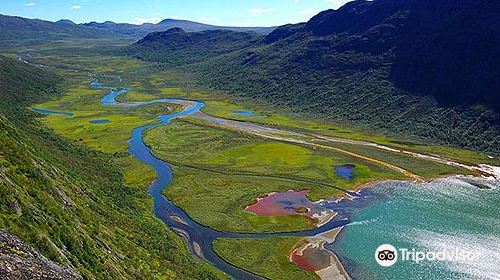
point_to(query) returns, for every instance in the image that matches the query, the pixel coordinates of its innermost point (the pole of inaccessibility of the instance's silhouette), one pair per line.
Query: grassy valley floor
(218, 171)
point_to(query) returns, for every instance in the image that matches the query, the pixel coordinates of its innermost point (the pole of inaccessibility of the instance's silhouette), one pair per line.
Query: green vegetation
(272, 263)
(425, 168)
(72, 203)
(70, 189)
(218, 172)
(84, 103)
(383, 80)
(219, 200)
(177, 47)
(16, 30)
(222, 105)
(189, 143)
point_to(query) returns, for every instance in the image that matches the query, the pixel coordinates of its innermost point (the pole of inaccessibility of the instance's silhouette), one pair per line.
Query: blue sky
(218, 12)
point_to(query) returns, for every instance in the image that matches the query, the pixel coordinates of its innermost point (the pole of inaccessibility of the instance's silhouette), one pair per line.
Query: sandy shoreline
(334, 270)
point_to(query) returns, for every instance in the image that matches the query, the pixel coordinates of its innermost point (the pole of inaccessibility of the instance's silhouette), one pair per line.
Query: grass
(448, 152)
(84, 103)
(225, 171)
(136, 96)
(194, 144)
(219, 201)
(273, 263)
(217, 172)
(222, 105)
(425, 168)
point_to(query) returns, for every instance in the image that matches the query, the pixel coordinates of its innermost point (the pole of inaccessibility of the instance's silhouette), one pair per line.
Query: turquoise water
(246, 113)
(442, 215)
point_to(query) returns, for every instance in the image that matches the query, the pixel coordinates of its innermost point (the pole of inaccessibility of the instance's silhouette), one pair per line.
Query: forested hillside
(178, 47)
(71, 203)
(425, 70)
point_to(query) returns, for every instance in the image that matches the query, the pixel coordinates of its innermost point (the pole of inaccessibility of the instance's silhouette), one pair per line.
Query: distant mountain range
(188, 26)
(16, 29)
(428, 69)
(20, 29)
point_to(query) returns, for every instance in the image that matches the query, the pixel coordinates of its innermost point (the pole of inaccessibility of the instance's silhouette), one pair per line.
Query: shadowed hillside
(422, 69)
(176, 47)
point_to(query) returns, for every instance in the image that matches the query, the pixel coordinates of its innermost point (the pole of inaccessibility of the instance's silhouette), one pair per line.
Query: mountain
(447, 49)
(188, 26)
(176, 46)
(17, 29)
(423, 69)
(70, 203)
(66, 21)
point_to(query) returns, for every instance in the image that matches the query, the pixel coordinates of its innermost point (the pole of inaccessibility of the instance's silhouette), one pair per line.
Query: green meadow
(219, 172)
(77, 206)
(84, 103)
(218, 200)
(221, 104)
(206, 147)
(247, 253)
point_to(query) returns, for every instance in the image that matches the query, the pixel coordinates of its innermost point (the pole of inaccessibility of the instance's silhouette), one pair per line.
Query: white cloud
(142, 20)
(260, 11)
(75, 8)
(30, 4)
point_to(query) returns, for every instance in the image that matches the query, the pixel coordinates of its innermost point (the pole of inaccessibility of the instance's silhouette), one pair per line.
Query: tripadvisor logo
(387, 255)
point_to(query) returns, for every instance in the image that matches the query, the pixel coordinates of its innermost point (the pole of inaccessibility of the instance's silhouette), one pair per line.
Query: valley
(174, 149)
(222, 161)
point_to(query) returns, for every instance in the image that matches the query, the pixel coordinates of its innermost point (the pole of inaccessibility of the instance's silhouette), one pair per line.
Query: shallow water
(99, 121)
(441, 215)
(198, 238)
(246, 113)
(446, 214)
(345, 171)
(283, 203)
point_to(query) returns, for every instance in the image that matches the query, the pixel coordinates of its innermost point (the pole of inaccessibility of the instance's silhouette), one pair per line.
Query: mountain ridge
(142, 30)
(14, 28)
(404, 67)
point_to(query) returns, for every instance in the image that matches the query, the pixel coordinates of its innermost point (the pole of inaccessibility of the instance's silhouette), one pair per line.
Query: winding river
(198, 238)
(390, 205)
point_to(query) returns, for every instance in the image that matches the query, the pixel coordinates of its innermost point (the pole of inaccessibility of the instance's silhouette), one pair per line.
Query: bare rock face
(20, 261)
